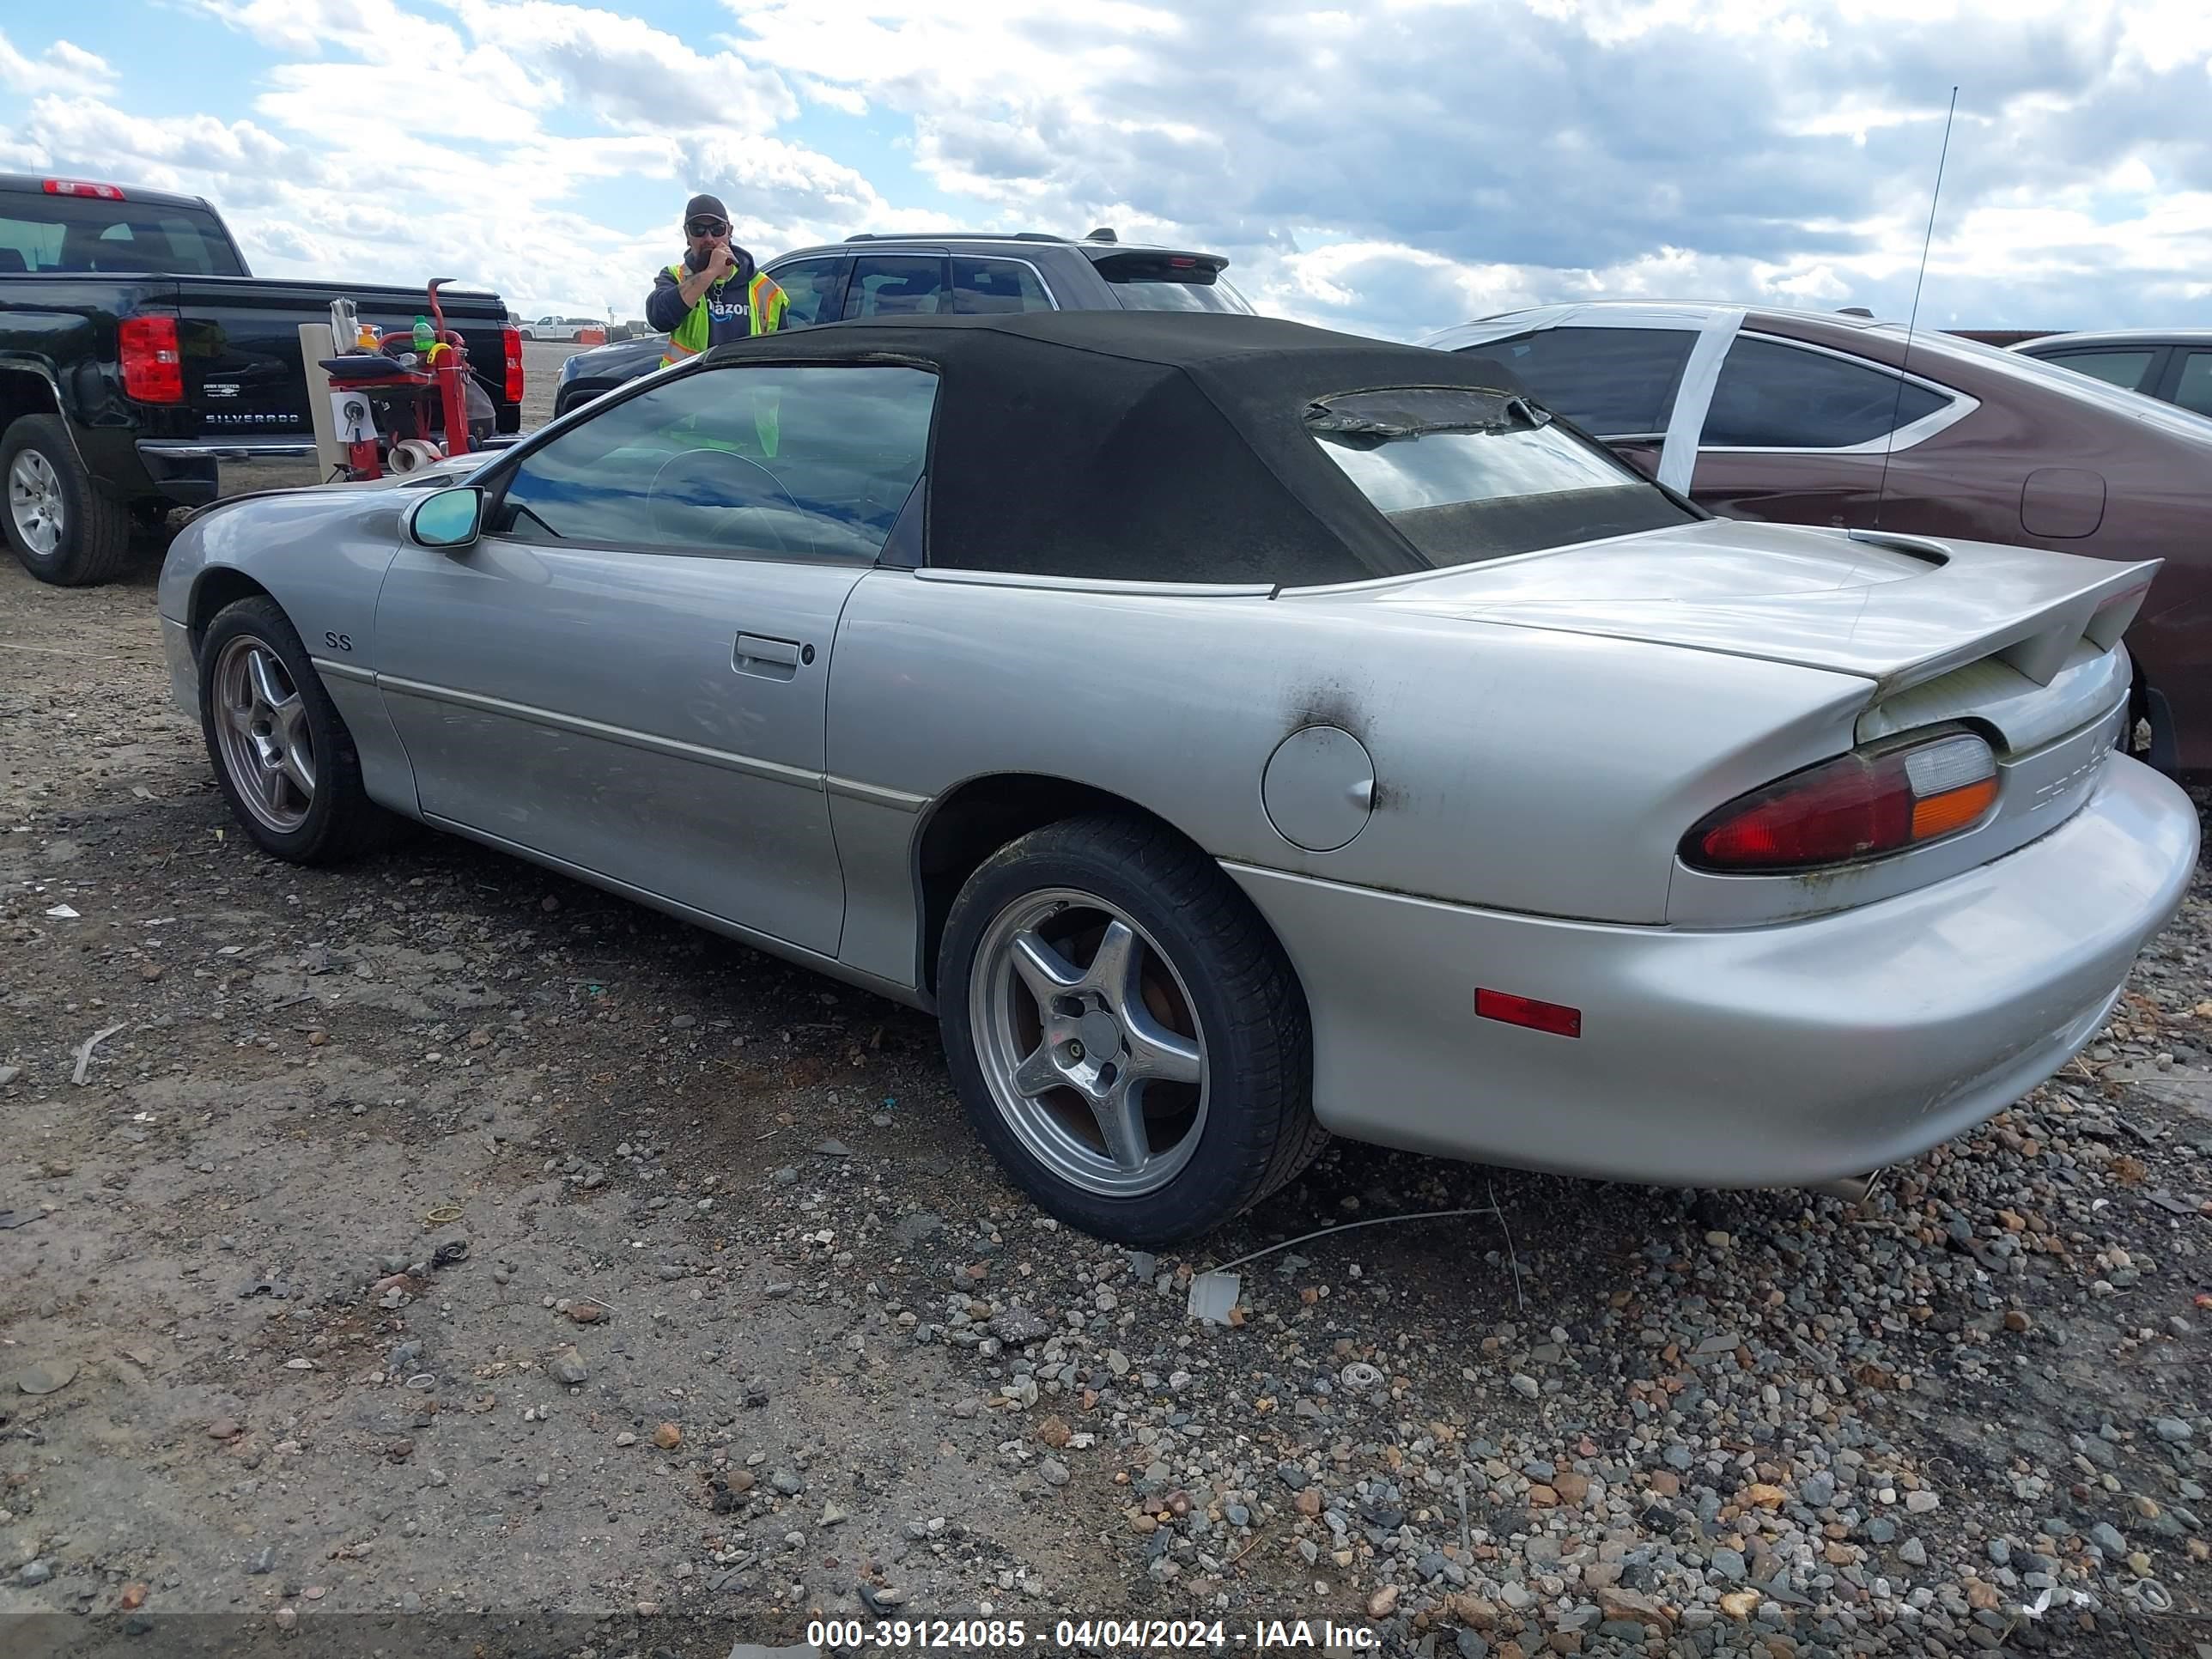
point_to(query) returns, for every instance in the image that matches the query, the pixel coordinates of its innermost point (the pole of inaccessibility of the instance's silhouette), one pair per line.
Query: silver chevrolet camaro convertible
(1235, 733)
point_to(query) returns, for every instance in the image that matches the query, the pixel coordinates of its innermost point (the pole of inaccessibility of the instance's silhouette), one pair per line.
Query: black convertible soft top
(1161, 446)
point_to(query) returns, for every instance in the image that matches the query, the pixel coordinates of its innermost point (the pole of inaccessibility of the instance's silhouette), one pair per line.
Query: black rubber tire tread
(1261, 1131)
(343, 822)
(96, 534)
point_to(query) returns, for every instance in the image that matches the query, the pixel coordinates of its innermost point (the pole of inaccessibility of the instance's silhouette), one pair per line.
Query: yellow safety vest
(765, 306)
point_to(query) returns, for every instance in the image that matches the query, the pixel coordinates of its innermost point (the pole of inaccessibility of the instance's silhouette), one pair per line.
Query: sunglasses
(707, 226)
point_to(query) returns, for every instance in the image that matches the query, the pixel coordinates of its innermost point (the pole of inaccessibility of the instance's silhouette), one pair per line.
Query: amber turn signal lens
(1954, 809)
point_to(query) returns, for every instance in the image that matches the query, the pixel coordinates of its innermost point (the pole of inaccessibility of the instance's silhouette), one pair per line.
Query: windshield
(40, 232)
(1466, 475)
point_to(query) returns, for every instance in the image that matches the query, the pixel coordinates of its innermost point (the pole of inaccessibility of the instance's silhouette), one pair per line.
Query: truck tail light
(153, 366)
(511, 339)
(80, 187)
(1858, 806)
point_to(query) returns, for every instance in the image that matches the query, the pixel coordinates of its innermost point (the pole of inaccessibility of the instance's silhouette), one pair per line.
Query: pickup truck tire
(281, 750)
(62, 528)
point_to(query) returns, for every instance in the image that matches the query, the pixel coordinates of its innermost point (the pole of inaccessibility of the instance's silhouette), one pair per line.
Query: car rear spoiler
(1158, 265)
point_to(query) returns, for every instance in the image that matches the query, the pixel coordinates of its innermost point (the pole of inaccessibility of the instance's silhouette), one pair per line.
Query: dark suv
(873, 276)
(2171, 365)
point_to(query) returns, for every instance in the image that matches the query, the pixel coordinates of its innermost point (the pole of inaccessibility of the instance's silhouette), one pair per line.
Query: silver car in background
(1236, 732)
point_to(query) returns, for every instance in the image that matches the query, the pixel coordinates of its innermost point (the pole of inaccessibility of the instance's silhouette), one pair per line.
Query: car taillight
(153, 368)
(511, 339)
(1859, 806)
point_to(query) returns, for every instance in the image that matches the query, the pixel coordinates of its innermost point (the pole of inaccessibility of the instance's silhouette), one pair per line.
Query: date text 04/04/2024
(999, 1635)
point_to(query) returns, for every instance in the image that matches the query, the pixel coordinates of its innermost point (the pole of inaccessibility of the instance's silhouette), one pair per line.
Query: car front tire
(57, 522)
(1125, 1032)
(281, 752)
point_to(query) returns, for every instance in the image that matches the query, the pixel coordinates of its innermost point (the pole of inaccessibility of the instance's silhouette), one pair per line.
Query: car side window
(2193, 391)
(2124, 369)
(1611, 382)
(813, 286)
(896, 285)
(1774, 396)
(804, 462)
(981, 286)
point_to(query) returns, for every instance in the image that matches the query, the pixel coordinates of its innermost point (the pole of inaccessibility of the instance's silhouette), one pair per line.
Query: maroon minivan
(1807, 417)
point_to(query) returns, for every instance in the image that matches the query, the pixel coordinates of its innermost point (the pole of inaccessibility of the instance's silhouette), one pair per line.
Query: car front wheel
(281, 753)
(1125, 1031)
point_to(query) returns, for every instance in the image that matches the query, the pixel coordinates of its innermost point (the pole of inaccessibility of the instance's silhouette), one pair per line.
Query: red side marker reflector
(1553, 1017)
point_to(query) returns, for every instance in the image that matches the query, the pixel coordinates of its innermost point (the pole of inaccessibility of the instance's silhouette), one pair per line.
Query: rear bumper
(194, 472)
(1748, 1057)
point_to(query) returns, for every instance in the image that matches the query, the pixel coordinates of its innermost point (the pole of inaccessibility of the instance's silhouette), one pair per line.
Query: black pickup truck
(143, 368)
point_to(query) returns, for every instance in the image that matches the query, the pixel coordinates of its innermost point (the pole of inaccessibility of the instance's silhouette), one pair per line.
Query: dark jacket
(727, 318)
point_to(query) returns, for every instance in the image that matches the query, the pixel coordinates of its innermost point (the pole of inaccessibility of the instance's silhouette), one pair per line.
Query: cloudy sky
(1393, 167)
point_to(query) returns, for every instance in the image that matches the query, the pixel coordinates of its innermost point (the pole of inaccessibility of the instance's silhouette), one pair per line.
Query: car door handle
(769, 659)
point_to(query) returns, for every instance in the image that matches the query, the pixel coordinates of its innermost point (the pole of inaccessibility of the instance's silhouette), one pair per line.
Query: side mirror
(448, 518)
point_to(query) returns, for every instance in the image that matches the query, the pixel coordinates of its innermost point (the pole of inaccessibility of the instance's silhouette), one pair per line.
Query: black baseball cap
(706, 207)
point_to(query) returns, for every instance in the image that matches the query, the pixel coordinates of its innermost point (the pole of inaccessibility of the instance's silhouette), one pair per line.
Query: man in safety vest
(712, 295)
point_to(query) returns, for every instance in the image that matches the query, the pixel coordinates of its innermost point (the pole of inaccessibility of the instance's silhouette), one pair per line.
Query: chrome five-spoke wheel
(35, 501)
(1089, 1042)
(261, 730)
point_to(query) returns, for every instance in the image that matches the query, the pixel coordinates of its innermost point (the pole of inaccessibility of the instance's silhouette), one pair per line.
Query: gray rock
(1239, 1516)
(1679, 1458)
(1018, 1325)
(1880, 1531)
(1818, 1489)
(46, 1376)
(1913, 1551)
(787, 1483)
(567, 1367)
(1729, 1563)
(912, 1230)
(264, 1560)
(34, 1572)
(2171, 1430)
(1053, 1471)
(1526, 1385)
(832, 1149)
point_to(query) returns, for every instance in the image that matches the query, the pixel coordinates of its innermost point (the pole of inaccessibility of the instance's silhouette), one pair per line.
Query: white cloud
(1785, 148)
(1438, 159)
(62, 66)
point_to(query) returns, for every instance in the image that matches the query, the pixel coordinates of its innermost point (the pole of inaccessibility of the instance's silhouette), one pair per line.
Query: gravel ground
(541, 372)
(435, 1234)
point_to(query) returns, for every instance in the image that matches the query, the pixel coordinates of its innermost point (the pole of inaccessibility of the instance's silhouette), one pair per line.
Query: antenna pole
(1889, 439)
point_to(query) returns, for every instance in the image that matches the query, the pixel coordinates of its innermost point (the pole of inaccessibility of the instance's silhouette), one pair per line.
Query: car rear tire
(1126, 1033)
(284, 759)
(57, 523)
